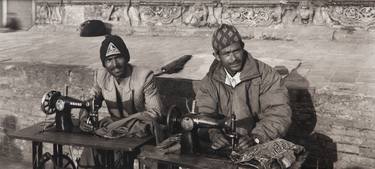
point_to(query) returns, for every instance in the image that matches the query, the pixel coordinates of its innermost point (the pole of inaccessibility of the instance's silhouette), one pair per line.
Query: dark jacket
(259, 101)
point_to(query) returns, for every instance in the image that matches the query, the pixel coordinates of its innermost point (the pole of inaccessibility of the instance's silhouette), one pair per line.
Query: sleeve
(275, 113)
(206, 97)
(153, 105)
(207, 100)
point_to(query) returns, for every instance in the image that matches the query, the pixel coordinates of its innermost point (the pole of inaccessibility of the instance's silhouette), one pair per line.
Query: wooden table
(38, 136)
(151, 157)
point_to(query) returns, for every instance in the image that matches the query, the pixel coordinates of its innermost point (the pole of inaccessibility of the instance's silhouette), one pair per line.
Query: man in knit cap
(239, 84)
(131, 96)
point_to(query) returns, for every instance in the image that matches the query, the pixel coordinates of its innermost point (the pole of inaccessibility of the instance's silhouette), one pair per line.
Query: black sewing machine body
(194, 128)
(54, 102)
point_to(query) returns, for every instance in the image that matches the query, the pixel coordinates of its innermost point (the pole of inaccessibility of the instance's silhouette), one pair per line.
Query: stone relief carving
(102, 12)
(251, 16)
(49, 14)
(305, 13)
(196, 15)
(211, 20)
(353, 16)
(116, 14)
(218, 10)
(212, 14)
(134, 15)
(159, 15)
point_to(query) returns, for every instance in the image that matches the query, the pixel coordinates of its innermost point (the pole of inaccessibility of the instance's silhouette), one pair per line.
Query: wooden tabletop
(36, 133)
(190, 161)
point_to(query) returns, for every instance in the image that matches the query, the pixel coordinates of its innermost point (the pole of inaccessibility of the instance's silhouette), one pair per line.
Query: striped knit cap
(224, 36)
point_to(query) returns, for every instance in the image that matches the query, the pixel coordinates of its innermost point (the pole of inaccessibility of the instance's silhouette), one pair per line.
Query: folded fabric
(132, 126)
(274, 154)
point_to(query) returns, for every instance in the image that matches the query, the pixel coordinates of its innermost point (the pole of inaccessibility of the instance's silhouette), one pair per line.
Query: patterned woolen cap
(224, 36)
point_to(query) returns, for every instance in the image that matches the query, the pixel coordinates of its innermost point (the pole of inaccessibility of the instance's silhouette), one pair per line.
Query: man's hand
(245, 142)
(85, 126)
(218, 139)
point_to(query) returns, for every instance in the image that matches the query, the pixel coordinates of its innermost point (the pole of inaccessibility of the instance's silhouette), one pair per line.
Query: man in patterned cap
(239, 84)
(130, 94)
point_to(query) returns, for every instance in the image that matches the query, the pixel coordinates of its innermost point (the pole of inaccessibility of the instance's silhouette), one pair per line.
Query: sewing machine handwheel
(49, 99)
(174, 116)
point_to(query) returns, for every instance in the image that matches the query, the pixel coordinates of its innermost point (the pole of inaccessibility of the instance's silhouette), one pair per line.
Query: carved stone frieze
(196, 15)
(49, 14)
(208, 13)
(134, 15)
(160, 15)
(102, 12)
(353, 15)
(251, 16)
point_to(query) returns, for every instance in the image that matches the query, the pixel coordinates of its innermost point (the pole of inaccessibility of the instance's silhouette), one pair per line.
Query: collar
(248, 72)
(232, 80)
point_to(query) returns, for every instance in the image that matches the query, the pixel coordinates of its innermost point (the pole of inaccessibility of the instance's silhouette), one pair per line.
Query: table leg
(57, 152)
(37, 153)
(129, 159)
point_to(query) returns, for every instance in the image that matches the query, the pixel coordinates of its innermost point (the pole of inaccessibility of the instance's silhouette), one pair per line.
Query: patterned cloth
(276, 154)
(224, 36)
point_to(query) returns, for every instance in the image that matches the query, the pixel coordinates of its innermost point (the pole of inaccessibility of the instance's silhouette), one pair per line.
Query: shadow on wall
(8, 148)
(321, 148)
(179, 92)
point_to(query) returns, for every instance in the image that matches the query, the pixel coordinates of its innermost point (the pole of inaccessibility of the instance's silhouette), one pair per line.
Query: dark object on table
(91, 28)
(174, 66)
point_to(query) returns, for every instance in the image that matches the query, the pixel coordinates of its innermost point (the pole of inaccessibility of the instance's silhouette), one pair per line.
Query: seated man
(239, 84)
(130, 94)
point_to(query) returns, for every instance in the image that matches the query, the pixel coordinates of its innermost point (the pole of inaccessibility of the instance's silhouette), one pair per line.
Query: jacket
(137, 93)
(260, 102)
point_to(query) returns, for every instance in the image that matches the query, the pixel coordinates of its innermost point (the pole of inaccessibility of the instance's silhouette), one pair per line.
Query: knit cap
(224, 36)
(113, 45)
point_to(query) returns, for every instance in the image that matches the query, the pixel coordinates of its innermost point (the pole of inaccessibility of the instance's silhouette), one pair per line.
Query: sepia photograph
(187, 84)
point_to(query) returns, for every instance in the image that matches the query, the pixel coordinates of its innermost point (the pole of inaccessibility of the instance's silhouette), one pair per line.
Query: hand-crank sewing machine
(191, 123)
(54, 102)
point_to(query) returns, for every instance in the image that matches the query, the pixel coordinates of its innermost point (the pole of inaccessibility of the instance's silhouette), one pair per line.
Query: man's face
(232, 58)
(116, 65)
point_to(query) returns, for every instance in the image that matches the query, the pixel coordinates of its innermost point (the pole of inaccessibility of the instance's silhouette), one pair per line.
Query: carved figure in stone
(196, 15)
(43, 13)
(218, 10)
(305, 12)
(277, 14)
(116, 14)
(134, 15)
(159, 15)
(325, 15)
(211, 20)
(57, 14)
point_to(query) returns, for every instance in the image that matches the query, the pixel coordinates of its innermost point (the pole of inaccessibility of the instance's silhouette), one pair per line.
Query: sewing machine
(55, 102)
(191, 123)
